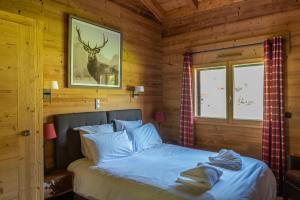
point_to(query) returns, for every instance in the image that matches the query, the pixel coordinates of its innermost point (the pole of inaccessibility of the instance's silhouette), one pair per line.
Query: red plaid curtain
(273, 141)
(186, 106)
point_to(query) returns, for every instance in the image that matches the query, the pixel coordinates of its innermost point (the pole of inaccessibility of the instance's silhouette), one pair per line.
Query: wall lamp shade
(49, 131)
(54, 85)
(139, 89)
(136, 90)
(160, 117)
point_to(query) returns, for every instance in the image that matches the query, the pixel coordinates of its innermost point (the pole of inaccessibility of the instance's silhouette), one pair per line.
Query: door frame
(36, 191)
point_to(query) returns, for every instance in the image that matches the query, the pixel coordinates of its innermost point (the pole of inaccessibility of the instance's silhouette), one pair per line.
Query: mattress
(152, 174)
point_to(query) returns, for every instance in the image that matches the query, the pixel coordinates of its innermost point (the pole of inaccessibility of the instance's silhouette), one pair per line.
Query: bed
(150, 174)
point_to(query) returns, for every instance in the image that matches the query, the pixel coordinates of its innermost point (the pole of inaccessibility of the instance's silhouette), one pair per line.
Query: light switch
(97, 104)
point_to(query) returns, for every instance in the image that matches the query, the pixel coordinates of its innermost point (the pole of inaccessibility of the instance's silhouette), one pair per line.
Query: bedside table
(58, 185)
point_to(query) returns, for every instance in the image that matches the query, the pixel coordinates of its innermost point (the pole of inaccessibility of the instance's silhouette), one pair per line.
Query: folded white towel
(226, 159)
(191, 182)
(202, 176)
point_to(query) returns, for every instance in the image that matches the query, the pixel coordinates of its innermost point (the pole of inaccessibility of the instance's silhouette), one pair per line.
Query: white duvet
(152, 174)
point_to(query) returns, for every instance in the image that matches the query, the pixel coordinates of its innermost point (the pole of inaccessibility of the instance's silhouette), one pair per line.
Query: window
(231, 91)
(211, 84)
(248, 89)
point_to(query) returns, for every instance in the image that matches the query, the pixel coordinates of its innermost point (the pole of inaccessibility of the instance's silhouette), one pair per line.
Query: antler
(105, 40)
(85, 46)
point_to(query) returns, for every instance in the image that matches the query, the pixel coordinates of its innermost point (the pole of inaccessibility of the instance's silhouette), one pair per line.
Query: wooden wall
(152, 61)
(141, 56)
(241, 23)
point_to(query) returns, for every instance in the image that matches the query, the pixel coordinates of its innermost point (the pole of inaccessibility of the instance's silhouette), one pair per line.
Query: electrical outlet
(97, 104)
(288, 115)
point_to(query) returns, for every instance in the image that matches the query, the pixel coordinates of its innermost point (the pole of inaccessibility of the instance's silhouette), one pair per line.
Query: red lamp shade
(160, 117)
(49, 131)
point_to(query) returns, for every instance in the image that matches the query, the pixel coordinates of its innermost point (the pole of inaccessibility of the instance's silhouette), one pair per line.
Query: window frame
(196, 97)
(229, 93)
(232, 98)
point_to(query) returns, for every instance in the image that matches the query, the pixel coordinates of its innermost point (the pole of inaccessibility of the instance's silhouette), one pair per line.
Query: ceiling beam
(192, 3)
(136, 8)
(155, 8)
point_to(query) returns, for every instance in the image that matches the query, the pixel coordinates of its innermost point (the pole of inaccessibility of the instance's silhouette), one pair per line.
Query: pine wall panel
(238, 24)
(152, 56)
(142, 55)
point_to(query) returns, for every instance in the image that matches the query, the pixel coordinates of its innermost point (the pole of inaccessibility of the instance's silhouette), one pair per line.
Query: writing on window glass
(242, 92)
(244, 97)
(212, 90)
(248, 91)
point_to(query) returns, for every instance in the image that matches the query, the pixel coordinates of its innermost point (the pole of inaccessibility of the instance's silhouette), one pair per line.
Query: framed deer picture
(95, 55)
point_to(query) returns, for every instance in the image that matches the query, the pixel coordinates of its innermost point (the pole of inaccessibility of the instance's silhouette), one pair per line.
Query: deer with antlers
(96, 68)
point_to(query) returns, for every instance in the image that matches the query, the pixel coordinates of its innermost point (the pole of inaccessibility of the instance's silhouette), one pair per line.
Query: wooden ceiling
(169, 5)
(160, 9)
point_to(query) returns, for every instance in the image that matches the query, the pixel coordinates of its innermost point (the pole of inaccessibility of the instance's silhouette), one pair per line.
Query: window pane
(211, 86)
(248, 89)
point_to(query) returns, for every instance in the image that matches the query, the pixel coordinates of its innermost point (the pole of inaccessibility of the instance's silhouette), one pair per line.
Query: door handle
(26, 133)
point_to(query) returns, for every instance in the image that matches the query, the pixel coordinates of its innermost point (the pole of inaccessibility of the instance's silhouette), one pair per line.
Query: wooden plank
(169, 5)
(193, 21)
(192, 3)
(140, 67)
(155, 8)
(135, 6)
(9, 178)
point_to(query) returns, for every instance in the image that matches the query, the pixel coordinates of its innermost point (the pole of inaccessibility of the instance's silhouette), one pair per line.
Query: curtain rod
(225, 48)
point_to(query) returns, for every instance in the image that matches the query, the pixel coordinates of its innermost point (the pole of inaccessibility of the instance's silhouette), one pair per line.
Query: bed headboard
(68, 148)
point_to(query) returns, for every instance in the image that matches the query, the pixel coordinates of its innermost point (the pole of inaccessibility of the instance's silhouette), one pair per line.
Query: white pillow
(110, 146)
(129, 126)
(84, 146)
(103, 128)
(145, 137)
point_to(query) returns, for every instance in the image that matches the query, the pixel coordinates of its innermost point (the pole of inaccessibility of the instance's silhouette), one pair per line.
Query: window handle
(230, 98)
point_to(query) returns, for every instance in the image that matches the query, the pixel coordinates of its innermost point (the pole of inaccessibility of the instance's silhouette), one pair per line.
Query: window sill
(225, 122)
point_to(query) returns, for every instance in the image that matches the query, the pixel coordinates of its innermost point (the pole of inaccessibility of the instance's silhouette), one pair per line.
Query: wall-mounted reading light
(136, 90)
(48, 92)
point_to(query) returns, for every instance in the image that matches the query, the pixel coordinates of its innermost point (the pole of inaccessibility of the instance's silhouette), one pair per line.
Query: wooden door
(20, 109)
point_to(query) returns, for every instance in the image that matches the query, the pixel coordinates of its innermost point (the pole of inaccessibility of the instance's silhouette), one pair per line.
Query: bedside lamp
(49, 131)
(160, 117)
(49, 134)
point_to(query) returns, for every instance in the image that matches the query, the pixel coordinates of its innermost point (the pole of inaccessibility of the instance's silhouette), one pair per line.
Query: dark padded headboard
(68, 148)
(129, 115)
